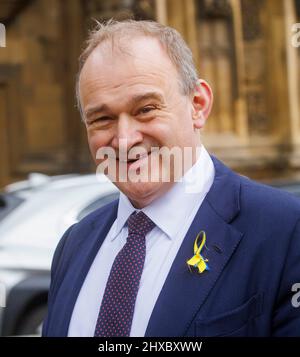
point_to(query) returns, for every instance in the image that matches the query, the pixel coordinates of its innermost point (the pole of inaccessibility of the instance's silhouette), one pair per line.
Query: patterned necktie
(117, 307)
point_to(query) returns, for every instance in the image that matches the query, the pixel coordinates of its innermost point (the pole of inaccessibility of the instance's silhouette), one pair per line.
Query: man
(219, 257)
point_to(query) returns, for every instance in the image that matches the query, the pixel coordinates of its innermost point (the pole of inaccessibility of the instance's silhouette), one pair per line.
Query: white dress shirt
(173, 214)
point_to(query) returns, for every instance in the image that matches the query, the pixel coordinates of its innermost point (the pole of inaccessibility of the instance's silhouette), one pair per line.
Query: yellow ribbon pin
(197, 260)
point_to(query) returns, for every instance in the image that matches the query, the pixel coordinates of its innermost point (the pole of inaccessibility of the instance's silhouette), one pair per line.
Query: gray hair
(176, 48)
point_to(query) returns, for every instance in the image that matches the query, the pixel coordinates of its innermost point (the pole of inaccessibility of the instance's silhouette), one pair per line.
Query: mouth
(136, 162)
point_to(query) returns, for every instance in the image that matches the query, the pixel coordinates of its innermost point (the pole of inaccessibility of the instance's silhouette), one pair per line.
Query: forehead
(134, 63)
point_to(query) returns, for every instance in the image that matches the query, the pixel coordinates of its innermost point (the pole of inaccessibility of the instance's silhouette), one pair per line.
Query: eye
(147, 109)
(101, 119)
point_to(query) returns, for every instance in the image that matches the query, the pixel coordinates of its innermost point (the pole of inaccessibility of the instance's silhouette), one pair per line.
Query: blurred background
(243, 48)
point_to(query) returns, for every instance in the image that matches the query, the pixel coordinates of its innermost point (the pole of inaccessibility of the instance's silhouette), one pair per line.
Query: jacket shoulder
(268, 195)
(268, 206)
(96, 216)
(84, 227)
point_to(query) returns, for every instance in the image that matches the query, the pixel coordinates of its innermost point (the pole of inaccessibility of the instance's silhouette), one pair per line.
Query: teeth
(129, 160)
(135, 159)
(141, 156)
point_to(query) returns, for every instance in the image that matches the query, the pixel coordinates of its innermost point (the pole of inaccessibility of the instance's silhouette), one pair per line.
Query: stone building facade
(243, 48)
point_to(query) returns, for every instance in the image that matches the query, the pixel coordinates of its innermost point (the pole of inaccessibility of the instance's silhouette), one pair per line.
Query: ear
(202, 101)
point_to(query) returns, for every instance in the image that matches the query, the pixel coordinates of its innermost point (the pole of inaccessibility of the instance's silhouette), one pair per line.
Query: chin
(141, 194)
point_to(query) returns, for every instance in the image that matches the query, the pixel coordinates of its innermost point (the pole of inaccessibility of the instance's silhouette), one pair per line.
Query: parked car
(33, 216)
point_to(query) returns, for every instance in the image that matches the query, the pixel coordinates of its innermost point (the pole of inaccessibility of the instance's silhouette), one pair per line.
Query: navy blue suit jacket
(253, 241)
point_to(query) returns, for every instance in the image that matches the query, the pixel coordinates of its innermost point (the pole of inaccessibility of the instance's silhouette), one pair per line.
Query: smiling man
(126, 269)
(137, 101)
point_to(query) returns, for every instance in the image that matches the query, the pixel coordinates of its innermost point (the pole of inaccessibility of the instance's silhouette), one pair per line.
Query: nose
(127, 133)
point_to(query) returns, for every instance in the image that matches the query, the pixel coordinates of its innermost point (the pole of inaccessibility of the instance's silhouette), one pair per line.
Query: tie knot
(140, 224)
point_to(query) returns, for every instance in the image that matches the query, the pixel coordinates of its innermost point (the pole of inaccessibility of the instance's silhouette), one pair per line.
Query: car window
(8, 202)
(99, 202)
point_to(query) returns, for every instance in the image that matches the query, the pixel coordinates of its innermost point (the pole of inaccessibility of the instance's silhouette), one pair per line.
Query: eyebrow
(132, 101)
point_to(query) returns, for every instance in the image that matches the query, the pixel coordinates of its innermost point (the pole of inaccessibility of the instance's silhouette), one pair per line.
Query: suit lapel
(84, 254)
(184, 292)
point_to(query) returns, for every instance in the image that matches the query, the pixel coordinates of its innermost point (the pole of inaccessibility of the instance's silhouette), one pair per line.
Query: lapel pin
(198, 261)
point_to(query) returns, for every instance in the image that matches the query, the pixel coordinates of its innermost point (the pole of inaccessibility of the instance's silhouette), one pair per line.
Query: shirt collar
(174, 207)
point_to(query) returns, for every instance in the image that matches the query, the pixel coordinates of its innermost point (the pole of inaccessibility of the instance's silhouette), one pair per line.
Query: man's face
(131, 99)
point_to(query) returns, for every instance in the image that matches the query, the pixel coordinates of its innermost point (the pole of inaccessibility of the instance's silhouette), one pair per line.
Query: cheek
(163, 131)
(169, 135)
(96, 140)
